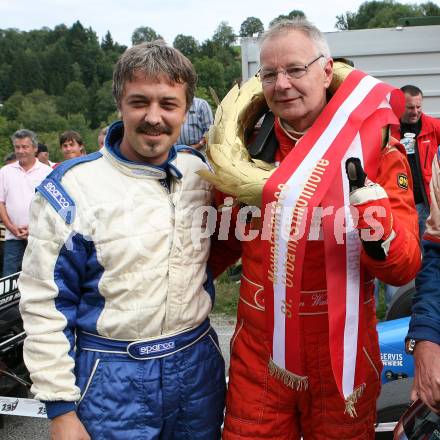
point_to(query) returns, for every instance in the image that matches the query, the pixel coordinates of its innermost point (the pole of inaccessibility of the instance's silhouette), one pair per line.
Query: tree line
(56, 79)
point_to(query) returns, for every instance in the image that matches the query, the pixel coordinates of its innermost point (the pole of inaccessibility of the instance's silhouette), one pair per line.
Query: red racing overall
(260, 406)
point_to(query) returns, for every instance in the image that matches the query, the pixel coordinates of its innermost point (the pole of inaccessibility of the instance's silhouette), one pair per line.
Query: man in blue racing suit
(423, 338)
(115, 291)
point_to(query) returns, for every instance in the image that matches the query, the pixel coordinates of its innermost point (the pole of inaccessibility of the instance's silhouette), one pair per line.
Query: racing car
(14, 377)
(398, 367)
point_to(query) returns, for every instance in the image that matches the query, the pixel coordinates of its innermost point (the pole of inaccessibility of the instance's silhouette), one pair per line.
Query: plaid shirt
(198, 120)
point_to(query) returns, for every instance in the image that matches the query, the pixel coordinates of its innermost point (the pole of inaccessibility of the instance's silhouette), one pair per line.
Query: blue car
(398, 367)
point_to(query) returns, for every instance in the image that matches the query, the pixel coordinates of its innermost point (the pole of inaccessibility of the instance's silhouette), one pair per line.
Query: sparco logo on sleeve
(156, 348)
(57, 195)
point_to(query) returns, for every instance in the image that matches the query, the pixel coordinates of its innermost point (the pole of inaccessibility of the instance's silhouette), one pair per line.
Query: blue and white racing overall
(116, 297)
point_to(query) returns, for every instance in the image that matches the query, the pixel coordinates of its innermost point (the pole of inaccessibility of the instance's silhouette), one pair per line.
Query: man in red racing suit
(258, 404)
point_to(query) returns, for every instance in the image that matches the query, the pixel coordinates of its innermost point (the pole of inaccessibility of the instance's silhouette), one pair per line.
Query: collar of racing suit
(139, 170)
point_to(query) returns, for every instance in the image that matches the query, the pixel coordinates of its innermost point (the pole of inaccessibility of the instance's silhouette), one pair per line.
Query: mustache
(147, 128)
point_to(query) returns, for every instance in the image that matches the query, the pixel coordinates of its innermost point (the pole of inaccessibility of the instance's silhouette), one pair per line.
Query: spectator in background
(10, 158)
(198, 120)
(72, 145)
(423, 339)
(43, 155)
(18, 181)
(420, 135)
(101, 136)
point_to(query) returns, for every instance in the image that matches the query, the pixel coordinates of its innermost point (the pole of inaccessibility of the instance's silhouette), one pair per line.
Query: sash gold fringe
(289, 379)
(352, 400)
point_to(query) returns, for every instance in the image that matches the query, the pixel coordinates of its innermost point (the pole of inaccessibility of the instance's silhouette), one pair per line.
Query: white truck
(399, 56)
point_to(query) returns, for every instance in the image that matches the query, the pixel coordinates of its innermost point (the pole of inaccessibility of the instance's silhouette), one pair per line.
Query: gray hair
(23, 133)
(299, 24)
(156, 60)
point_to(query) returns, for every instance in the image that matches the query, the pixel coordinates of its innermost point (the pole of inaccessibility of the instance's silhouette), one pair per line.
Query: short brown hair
(412, 90)
(71, 135)
(157, 60)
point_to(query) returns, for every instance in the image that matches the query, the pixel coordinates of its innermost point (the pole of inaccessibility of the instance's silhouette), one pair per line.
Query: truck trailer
(399, 56)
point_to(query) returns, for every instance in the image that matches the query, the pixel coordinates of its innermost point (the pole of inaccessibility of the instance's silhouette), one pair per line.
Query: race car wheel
(401, 303)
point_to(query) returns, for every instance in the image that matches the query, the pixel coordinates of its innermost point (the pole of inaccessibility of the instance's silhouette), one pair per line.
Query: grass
(226, 296)
(381, 307)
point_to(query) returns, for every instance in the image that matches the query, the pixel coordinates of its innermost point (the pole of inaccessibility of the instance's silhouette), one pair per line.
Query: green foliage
(107, 43)
(381, 307)
(224, 35)
(84, 48)
(57, 79)
(211, 73)
(12, 106)
(251, 26)
(430, 9)
(77, 122)
(105, 103)
(5, 143)
(144, 34)
(292, 14)
(74, 100)
(227, 294)
(187, 45)
(204, 93)
(219, 63)
(386, 13)
(67, 64)
(38, 112)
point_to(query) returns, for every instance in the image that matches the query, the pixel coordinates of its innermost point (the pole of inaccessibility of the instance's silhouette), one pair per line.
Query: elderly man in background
(18, 181)
(305, 359)
(43, 155)
(419, 133)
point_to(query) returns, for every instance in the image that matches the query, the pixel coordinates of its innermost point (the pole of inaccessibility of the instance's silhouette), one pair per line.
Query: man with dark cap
(43, 155)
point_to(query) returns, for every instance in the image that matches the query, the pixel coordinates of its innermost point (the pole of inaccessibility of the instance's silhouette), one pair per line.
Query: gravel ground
(224, 326)
(28, 428)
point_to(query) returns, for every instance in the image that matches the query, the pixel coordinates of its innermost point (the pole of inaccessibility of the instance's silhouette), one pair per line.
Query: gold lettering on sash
(300, 209)
(293, 232)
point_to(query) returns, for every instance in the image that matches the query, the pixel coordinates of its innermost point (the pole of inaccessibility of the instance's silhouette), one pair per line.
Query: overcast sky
(198, 18)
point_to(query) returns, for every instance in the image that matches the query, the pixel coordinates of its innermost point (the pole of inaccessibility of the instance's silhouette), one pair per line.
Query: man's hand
(15, 230)
(68, 427)
(23, 232)
(199, 145)
(426, 384)
(372, 210)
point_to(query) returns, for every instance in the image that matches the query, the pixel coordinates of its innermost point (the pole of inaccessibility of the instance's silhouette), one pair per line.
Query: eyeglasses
(269, 77)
